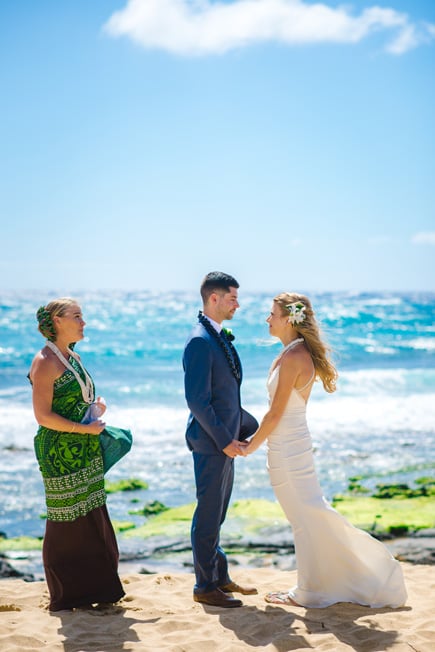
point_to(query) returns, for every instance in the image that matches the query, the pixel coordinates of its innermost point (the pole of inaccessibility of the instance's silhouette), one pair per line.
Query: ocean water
(380, 424)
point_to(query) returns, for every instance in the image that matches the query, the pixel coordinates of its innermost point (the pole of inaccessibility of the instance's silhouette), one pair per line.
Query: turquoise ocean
(380, 424)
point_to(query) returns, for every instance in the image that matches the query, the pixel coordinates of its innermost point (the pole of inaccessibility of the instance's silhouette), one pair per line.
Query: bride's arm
(288, 375)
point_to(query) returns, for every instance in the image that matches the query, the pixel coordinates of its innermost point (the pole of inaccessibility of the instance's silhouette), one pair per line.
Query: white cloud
(407, 39)
(424, 238)
(215, 26)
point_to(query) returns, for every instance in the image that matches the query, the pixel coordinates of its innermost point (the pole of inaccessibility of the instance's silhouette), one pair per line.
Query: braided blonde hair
(45, 315)
(309, 330)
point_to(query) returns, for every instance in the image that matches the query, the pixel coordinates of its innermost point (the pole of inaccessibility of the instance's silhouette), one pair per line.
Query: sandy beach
(158, 613)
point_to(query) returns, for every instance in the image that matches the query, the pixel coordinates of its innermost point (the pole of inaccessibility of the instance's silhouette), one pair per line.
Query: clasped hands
(236, 448)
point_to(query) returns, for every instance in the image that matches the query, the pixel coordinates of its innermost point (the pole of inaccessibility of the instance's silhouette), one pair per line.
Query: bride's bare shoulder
(298, 358)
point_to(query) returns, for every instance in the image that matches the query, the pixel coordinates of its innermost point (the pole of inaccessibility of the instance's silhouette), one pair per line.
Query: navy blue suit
(216, 418)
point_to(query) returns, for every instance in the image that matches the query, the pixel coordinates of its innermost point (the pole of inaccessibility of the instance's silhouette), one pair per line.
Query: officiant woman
(80, 552)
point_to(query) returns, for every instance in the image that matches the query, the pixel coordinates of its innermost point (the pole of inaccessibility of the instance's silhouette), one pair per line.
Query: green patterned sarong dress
(71, 464)
(80, 551)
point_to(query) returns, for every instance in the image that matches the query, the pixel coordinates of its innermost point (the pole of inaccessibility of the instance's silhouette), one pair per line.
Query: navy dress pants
(214, 476)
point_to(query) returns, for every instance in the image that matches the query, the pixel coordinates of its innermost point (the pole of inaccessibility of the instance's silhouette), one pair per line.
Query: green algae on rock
(131, 484)
(24, 543)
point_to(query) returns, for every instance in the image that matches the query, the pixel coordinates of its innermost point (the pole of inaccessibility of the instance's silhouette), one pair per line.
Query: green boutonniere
(228, 333)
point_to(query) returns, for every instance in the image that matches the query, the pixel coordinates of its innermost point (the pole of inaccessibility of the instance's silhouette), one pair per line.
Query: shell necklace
(87, 386)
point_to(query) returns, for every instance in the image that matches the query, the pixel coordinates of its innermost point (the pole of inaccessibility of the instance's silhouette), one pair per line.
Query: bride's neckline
(291, 344)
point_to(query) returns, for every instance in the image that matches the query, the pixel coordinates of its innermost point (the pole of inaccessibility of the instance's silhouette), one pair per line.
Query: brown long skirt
(81, 561)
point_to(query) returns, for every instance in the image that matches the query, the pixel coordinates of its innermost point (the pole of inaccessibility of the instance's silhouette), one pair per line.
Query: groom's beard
(229, 314)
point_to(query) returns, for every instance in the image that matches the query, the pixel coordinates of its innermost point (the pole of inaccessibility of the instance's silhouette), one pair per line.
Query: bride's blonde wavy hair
(309, 330)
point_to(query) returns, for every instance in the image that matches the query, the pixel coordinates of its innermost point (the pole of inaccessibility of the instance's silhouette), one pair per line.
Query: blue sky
(146, 143)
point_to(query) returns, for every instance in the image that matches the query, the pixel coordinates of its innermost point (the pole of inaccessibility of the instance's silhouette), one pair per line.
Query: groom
(217, 424)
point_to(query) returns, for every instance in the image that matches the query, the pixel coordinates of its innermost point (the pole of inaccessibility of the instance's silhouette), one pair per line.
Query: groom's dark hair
(215, 282)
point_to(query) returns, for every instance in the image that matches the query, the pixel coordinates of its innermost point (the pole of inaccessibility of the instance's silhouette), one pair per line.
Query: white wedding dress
(335, 561)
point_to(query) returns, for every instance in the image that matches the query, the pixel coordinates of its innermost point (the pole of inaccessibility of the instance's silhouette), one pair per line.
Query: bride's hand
(249, 448)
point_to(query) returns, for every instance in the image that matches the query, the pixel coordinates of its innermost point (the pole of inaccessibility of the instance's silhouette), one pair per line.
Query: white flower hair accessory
(296, 313)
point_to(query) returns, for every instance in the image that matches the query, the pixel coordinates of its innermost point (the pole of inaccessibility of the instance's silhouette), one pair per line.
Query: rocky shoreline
(256, 533)
(273, 549)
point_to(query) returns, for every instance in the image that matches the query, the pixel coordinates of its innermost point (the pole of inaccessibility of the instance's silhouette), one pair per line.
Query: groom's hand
(243, 446)
(233, 449)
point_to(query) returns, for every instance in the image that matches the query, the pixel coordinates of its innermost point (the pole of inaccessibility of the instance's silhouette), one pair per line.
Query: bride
(335, 561)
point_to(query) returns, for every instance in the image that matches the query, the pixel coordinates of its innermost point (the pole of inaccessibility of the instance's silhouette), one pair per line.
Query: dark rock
(8, 571)
(415, 550)
(429, 532)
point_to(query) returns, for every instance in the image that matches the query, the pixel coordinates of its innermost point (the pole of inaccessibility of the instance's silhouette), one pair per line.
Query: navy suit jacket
(213, 396)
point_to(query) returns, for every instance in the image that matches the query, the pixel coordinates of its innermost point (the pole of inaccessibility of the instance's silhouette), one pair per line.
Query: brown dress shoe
(232, 587)
(217, 598)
